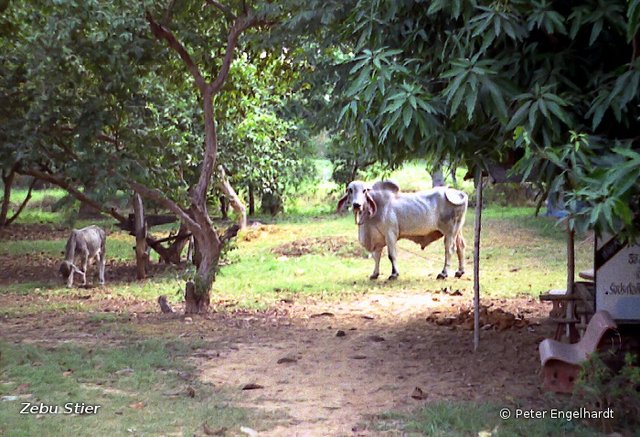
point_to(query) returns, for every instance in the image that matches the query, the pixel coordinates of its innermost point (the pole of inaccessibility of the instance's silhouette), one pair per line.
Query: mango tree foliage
(555, 84)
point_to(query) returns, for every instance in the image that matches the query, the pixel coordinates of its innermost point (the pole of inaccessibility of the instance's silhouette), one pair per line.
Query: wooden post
(571, 270)
(476, 260)
(142, 256)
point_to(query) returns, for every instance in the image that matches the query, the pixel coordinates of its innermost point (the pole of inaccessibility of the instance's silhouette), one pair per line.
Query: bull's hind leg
(377, 253)
(448, 253)
(101, 263)
(460, 245)
(102, 257)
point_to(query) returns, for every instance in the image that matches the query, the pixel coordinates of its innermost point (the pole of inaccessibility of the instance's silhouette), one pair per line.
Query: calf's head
(67, 269)
(358, 197)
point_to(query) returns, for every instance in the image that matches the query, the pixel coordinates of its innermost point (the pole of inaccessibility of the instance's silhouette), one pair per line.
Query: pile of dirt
(258, 231)
(496, 319)
(340, 246)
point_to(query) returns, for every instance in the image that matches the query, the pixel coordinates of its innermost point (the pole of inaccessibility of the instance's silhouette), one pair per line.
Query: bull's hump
(456, 197)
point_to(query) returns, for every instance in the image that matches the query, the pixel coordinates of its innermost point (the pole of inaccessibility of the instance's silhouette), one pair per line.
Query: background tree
(265, 147)
(103, 101)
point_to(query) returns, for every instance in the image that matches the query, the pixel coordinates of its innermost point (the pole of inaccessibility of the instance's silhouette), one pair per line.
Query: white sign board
(617, 269)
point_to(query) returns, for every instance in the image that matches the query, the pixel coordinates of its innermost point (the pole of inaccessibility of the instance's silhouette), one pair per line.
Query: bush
(600, 386)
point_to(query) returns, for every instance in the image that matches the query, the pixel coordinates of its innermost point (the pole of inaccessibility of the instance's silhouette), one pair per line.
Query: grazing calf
(87, 243)
(384, 215)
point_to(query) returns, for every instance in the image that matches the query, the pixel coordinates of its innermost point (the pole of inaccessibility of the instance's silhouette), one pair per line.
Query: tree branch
(241, 24)
(161, 32)
(168, 14)
(62, 183)
(226, 10)
(159, 197)
(23, 204)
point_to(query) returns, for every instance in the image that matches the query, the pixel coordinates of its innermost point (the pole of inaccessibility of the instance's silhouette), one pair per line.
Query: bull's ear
(373, 206)
(342, 202)
(386, 185)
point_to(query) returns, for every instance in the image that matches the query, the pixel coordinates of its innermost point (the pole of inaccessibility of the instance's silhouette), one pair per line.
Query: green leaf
(407, 114)
(519, 116)
(595, 31)
(470, 102)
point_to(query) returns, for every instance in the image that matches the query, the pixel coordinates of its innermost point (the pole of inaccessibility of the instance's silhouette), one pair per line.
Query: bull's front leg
(377, 254)
(392, 239)
(72, 272)
(448, 253)
(85, 264)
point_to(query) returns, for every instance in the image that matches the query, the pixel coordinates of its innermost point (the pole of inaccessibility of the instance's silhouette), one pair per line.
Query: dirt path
(321, 382)
(324, 368)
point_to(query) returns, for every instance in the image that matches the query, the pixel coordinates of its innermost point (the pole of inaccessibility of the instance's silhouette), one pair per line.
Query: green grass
(473, 419)
(39, 208)
(136, 384)
(520, 254)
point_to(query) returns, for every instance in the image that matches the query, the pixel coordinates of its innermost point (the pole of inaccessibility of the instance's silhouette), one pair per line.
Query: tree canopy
(551, 85)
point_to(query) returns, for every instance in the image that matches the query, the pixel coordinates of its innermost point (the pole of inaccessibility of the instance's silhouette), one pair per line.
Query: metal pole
(476, 260)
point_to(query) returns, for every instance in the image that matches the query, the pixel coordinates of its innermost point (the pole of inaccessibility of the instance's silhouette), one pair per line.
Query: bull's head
(358, 196)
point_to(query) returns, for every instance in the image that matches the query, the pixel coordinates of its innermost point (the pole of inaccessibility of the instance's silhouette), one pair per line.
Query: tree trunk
(271, 203)
(207, 253)
(195, 303)
(6, 199)
(224, 207)
(252, 200)
(7, 179)
(208, 243)
(437, 176)
(175, 249)
(142, 254)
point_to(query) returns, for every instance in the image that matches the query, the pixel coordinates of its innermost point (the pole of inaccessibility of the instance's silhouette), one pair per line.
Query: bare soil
(43, 268)
(324, 368)
(314, 367)
(32, 232)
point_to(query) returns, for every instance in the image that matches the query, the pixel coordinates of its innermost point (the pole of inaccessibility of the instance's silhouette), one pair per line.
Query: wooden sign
(617, 268)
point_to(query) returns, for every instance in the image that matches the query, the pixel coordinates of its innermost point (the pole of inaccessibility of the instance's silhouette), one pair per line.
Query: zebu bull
(384, 215)
(87, 243)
